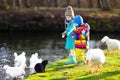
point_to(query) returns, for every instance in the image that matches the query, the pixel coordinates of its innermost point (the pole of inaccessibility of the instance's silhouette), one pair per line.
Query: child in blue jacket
(69, 14)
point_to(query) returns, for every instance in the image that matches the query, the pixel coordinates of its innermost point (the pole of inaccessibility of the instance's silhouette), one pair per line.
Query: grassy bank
(59, 71)
(52, 19)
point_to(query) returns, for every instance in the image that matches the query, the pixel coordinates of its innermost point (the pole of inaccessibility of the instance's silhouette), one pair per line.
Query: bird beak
(86, 62)
(101, 43)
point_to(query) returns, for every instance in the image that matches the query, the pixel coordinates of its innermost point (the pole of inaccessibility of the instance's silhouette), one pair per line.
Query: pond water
(48, 45)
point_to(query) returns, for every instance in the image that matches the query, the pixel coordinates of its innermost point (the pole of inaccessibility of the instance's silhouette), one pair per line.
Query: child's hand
(63, 34)
(75, 24)
(73, 36)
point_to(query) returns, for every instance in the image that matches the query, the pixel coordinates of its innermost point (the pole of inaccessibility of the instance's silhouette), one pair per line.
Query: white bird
(33, 61)
(14, 72)
(95, 58)
(18, 71)
(19, 59)
(112, 44)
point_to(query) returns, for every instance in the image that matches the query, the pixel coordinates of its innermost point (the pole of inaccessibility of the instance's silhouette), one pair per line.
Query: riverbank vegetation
(59, 71)
(52, 19)
(36, 15)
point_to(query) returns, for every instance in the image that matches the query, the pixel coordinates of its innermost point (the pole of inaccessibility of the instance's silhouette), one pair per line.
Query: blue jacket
(69, 31)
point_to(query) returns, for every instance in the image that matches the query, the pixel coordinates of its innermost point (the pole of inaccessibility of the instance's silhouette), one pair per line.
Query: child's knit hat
(69, 12)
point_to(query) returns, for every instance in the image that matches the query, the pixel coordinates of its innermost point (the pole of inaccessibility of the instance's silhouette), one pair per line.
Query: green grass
(59, 71)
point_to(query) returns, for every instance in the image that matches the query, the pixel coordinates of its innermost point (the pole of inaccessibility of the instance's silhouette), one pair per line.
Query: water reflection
(44, 44)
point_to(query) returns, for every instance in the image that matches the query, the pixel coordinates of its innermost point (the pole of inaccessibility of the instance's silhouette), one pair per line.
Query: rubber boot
(72, 59)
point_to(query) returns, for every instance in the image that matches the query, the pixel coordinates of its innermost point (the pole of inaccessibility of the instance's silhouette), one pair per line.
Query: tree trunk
(14, 3)
(90, 4)
(68, 2)
(28, 3)
(99, 3)
(78, 3)
(20, 3)
(105, 5)
(2, 5)
(42, 3)
(6, 6)
(55, 3)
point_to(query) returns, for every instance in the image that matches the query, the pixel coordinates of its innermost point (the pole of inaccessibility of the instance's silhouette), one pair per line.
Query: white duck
(19, 67)
(95, 58)
(19, 59)
(112, 44)
(14, 72)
